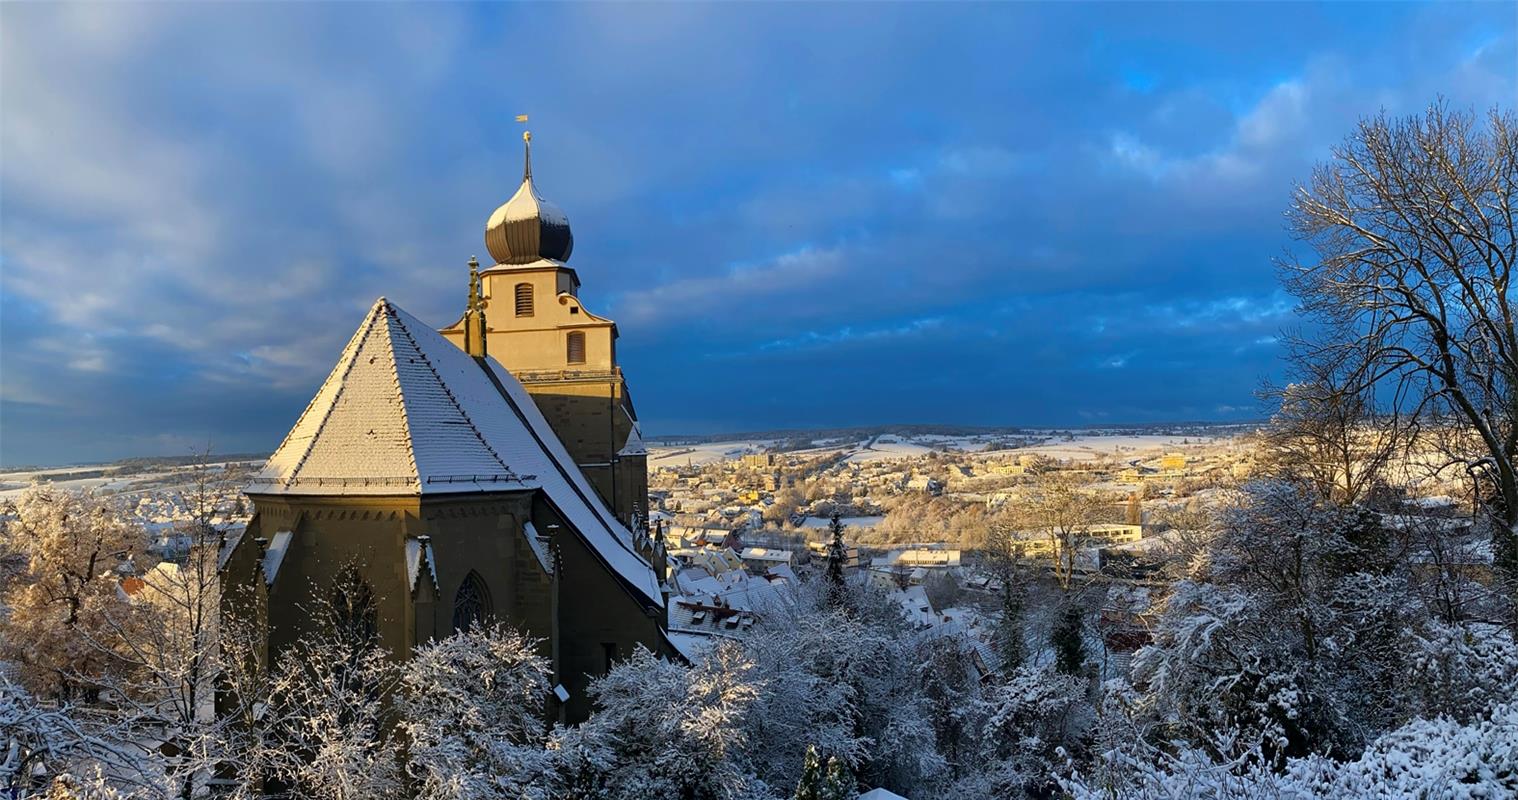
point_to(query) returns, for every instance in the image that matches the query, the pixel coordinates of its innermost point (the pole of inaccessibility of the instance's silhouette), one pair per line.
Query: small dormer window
(524, 299)
(575, 347)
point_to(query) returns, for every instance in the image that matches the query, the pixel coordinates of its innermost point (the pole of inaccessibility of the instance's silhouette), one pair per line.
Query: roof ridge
(400, 392)
(448, 392)
(357, 346)
(590, 503)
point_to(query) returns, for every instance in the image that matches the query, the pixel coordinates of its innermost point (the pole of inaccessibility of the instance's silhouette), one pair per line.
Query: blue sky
(799, 215)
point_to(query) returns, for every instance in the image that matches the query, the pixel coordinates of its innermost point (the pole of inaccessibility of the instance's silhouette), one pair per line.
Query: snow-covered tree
(65, 598)
(1425, 758)
(951, 687)
(329, 732)
(1300, 630)
(1030, 719)
(174, 645)
(847, 683)
(662, 729)
(809, 785)
(472, 708)
(838, 782)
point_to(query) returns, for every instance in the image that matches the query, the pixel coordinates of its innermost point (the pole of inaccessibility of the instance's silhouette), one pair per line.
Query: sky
(799, 215)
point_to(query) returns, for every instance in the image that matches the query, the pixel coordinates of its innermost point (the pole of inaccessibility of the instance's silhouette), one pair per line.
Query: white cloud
(133, 212)
(809, 340)
(730, 292)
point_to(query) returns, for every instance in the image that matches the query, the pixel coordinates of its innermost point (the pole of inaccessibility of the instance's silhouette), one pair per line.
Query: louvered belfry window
(524, 299)
(575, 347)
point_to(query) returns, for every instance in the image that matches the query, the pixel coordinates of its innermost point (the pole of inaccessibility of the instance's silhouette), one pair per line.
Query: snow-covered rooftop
(417, 553)
(405, 412)
(274, 556)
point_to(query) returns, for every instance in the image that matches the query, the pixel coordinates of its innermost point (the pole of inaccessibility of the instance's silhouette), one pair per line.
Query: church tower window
(471, 606)
(575, 347)
(524, 299)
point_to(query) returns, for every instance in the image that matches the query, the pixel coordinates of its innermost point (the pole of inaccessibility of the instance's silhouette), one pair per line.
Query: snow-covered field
(888, 447)
(1083, 446)
(13, 484)
(706, 453)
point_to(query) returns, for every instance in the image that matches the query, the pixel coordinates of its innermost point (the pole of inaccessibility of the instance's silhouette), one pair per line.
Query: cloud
(201, 201)
(734, 289)
(848, 335)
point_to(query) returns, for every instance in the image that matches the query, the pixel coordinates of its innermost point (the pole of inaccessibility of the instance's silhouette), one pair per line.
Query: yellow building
(562, 353)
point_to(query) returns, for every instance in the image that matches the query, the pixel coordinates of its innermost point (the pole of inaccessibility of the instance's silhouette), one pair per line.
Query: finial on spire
(527, 146)
(474, 313)
(527, 156)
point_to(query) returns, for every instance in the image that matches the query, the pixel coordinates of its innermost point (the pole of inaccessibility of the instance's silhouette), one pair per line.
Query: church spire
(474, 314)
(526, 156)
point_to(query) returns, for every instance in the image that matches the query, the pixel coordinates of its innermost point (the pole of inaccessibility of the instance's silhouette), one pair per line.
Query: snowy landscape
(1197, 324)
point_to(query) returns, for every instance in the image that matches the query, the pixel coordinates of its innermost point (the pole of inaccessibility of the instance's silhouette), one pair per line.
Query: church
(489, 471)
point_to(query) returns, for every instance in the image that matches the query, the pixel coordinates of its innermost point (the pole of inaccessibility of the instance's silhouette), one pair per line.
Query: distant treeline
(868, 431)
(133, 465)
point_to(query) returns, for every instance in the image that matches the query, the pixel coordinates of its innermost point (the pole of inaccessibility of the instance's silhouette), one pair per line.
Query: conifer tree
(837, 555)
(839, 783)
(1068, 641)
(809, 787)
(1009, 636)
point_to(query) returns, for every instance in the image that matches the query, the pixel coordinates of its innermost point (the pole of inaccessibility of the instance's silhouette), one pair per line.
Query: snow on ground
(969, 444)
(1082, 446)
(705, 453)
(16, 483)
(887, 447)
(12, 484)
(1087, 447)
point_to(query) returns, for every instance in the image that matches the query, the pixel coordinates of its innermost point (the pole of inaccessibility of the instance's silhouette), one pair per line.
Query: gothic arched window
(575, 347)
(471, 606)
(524, 299)
(354, 615)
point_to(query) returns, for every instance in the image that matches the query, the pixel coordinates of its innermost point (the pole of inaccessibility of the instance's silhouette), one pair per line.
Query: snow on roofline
(406, 413)
(416, 553)
(571, 494)
(274, 556)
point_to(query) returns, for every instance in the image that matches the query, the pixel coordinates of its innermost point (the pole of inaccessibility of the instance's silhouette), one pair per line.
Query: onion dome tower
(528, 228)
(526, 307)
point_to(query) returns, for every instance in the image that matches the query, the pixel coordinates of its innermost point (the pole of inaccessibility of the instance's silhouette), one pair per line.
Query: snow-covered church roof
(405, 412)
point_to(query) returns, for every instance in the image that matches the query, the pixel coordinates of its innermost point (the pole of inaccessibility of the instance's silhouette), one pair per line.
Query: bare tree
(1332, 440)
(1063, 508)
(1413, 230)
(174, 641)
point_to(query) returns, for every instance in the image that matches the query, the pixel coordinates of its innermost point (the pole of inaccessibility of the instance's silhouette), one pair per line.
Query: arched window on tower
(524, 299)
(575, 347)
(471, 606)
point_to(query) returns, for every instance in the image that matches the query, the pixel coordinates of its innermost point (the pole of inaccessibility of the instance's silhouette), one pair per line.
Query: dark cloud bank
(831, 215)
